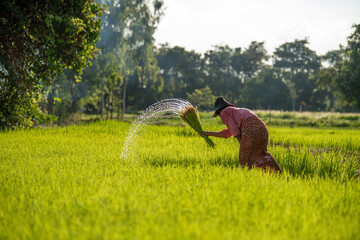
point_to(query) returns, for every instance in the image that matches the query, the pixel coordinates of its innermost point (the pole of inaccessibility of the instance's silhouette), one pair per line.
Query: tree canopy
(127, 48)
(38, 40)
(349, 80)
(300, 66)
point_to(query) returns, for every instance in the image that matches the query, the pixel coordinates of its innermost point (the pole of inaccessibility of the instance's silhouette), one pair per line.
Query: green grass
(310, 119)
(70, 183)
(328, 139)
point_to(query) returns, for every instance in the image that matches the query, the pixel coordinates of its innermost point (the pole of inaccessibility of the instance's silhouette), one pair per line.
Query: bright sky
(201, 24)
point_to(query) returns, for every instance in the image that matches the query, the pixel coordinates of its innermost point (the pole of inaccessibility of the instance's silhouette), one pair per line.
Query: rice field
(71, 183)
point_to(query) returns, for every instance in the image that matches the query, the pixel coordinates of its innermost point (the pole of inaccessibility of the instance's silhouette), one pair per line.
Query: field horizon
(270, 117)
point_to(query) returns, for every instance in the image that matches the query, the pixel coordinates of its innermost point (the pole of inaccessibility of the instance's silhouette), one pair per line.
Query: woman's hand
(203, 134)
(212, 134)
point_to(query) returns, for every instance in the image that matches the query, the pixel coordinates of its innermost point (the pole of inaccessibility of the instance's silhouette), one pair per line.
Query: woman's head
(220, 104)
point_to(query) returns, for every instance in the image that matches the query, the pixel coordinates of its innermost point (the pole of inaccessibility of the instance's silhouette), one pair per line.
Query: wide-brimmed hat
(220, 104)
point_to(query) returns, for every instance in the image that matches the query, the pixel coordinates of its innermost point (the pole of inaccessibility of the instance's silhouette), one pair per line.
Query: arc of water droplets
(171, 105)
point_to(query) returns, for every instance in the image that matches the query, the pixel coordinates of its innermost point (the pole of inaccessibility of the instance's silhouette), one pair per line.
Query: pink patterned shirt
(232, 118)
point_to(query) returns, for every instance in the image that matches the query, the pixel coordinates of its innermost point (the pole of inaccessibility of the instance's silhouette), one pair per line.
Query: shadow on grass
(192, 162)
(299, 167)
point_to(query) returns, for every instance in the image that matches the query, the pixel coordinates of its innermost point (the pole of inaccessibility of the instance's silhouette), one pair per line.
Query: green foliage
(127, 58)
(250, 61)
(222, 78)
(60, 98)
(62, 183)
(349, 80)
(267, 90)
(19, 106)
(203, 99)
(300, 66)
(38, 40)
(181, 70)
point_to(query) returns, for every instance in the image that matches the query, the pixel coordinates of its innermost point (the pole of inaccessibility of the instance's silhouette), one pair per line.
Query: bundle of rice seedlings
(190, 115)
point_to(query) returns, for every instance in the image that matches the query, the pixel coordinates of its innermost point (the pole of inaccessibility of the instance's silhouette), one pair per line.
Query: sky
(199, 25)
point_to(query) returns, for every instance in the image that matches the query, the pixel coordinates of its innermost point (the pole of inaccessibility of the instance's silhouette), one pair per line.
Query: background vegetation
(47, 46)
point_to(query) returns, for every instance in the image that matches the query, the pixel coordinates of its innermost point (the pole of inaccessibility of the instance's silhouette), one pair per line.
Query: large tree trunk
(293, 103)
(124, 99)
(102, 100)
(111, 102)
(118, 111)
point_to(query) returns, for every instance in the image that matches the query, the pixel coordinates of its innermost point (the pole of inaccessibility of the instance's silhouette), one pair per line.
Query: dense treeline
(129, 72)
(293, 78)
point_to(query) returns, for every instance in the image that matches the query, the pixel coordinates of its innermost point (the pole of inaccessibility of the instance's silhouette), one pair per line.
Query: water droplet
(171, 106)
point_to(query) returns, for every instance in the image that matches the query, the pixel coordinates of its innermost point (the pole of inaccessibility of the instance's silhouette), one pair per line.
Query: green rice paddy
(70, 183)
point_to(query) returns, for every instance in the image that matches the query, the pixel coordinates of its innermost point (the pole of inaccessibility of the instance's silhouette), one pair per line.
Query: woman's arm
(213, 134)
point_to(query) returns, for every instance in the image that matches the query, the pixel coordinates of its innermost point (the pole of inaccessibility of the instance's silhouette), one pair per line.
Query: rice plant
(190, 115)
(70, 183)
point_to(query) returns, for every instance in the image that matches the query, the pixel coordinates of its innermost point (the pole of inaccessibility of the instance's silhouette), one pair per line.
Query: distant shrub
(350, 118)
(287, 116)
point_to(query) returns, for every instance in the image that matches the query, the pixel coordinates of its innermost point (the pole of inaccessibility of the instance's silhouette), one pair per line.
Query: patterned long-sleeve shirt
(232, 118)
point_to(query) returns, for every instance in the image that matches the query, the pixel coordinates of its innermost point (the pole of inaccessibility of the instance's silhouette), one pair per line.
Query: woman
(251, 133)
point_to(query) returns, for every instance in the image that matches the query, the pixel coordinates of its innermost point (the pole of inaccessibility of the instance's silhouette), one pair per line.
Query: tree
(267, 91)
(39, 40)
(127, 34)
(349, 80)
(202, 98)
(227, 69)
(327, 79)
(61, 97)
(249, 62)
(220, 76)
(300, 66)
(181, 70)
